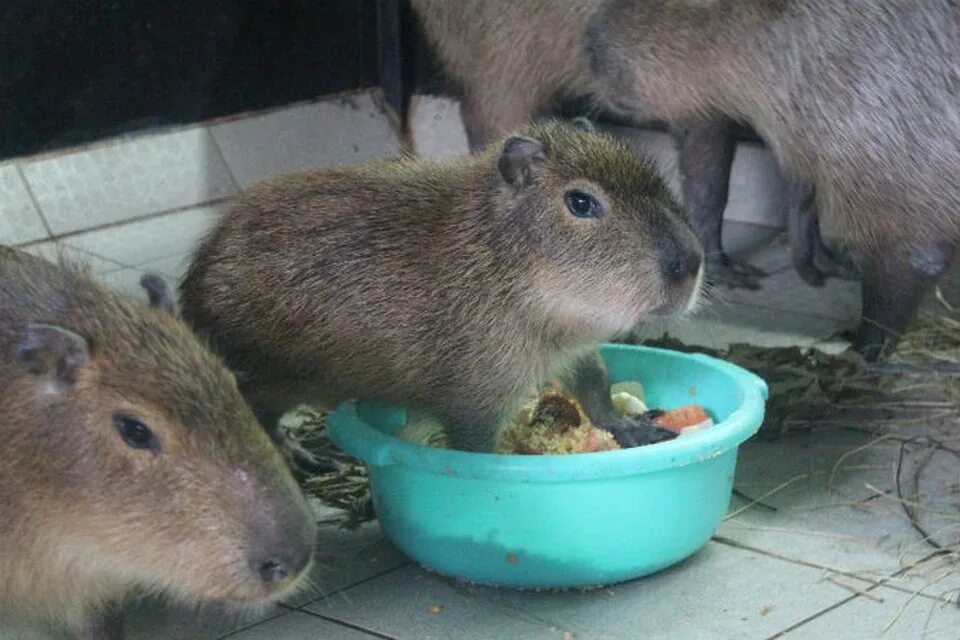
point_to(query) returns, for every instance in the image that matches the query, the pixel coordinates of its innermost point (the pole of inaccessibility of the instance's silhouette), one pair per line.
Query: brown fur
(514, 61)
(507, 71)
(84, 518)
(436, 283)
(861, 99)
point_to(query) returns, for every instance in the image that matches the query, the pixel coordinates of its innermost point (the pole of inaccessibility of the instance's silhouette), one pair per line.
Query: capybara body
(861, 99)
(511, 62)
(454, 286)
(130, 461)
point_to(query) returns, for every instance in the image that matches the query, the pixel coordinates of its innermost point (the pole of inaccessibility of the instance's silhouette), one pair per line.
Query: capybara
(454, 286)
(860, 99)
(130, 462)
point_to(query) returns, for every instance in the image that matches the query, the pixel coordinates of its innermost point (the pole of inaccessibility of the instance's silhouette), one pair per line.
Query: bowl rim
(349, 431)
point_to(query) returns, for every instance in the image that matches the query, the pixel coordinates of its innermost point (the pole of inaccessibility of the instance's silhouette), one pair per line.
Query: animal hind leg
(705, 158)
(894, 283)
(103, 625)
(811, 257)
(494, 114)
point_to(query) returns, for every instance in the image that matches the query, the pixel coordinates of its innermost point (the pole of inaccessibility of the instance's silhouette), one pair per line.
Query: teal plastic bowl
(564, 521)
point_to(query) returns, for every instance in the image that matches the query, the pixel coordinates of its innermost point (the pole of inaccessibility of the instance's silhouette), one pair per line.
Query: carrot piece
(682, 417)
(599, 440)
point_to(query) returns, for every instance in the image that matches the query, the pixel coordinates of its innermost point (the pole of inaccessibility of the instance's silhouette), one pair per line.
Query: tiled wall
(138, 203)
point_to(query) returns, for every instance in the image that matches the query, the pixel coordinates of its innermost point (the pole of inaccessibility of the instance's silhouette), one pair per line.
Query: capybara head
(134, 460)
(606, 243)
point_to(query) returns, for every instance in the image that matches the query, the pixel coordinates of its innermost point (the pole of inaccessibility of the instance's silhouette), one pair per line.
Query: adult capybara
(861, 99)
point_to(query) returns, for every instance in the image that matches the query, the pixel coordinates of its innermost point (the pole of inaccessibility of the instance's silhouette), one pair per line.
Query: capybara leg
(705, 157)
(588, 383)
(472, 430)
(894, 283)
(104, 625)
(473, 123)
(811, 257)
(493, 115)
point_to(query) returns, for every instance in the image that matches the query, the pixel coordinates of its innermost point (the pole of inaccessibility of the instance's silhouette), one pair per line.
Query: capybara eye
(582, 205)
(136, 434)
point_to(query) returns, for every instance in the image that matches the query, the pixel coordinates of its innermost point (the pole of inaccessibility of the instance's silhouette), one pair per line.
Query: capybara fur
(861, 99)
(453, 286)
(130, 462)
(511, 62)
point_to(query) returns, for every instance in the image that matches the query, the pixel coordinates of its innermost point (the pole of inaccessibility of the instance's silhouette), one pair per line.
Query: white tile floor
(827, 561)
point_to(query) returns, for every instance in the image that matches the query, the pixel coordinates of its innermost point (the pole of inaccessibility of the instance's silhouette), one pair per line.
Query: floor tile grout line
(223, 160)
(256, 623)
(136, 267)
(18, 167)
(871, 583)
(60, 247)
(837, 605)
(350, 625)
(814, 616)
(119, 223)
(523, 614)
(347, 587)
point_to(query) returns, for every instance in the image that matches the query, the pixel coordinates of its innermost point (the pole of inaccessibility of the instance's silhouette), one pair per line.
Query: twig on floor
(779, 487)
(914, 503)
(852, 452)
(874, 582)
(764, 505)
(802, 532)
(911, 516)
(913, 596)
(853, 589)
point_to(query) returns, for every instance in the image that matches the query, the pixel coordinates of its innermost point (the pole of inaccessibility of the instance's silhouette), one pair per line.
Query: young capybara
(513, 61)
(453, 286)
(130, 462)
(861, 99)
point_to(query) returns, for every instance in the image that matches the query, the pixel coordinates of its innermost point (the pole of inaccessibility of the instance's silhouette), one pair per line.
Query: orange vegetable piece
(682, 417)
(599, 440)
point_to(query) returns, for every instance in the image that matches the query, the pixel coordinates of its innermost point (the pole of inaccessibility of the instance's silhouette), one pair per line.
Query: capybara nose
(273, 570)
(277, 568)
(679, 264)
(276, 564)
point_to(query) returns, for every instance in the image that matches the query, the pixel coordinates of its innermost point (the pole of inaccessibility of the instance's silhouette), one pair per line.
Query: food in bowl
(505, 520)
(552, 423)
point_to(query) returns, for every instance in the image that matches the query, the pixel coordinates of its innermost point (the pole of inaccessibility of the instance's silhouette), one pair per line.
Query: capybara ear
(584, 123)
(158, 292)
(54, 353)
(521, 160)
